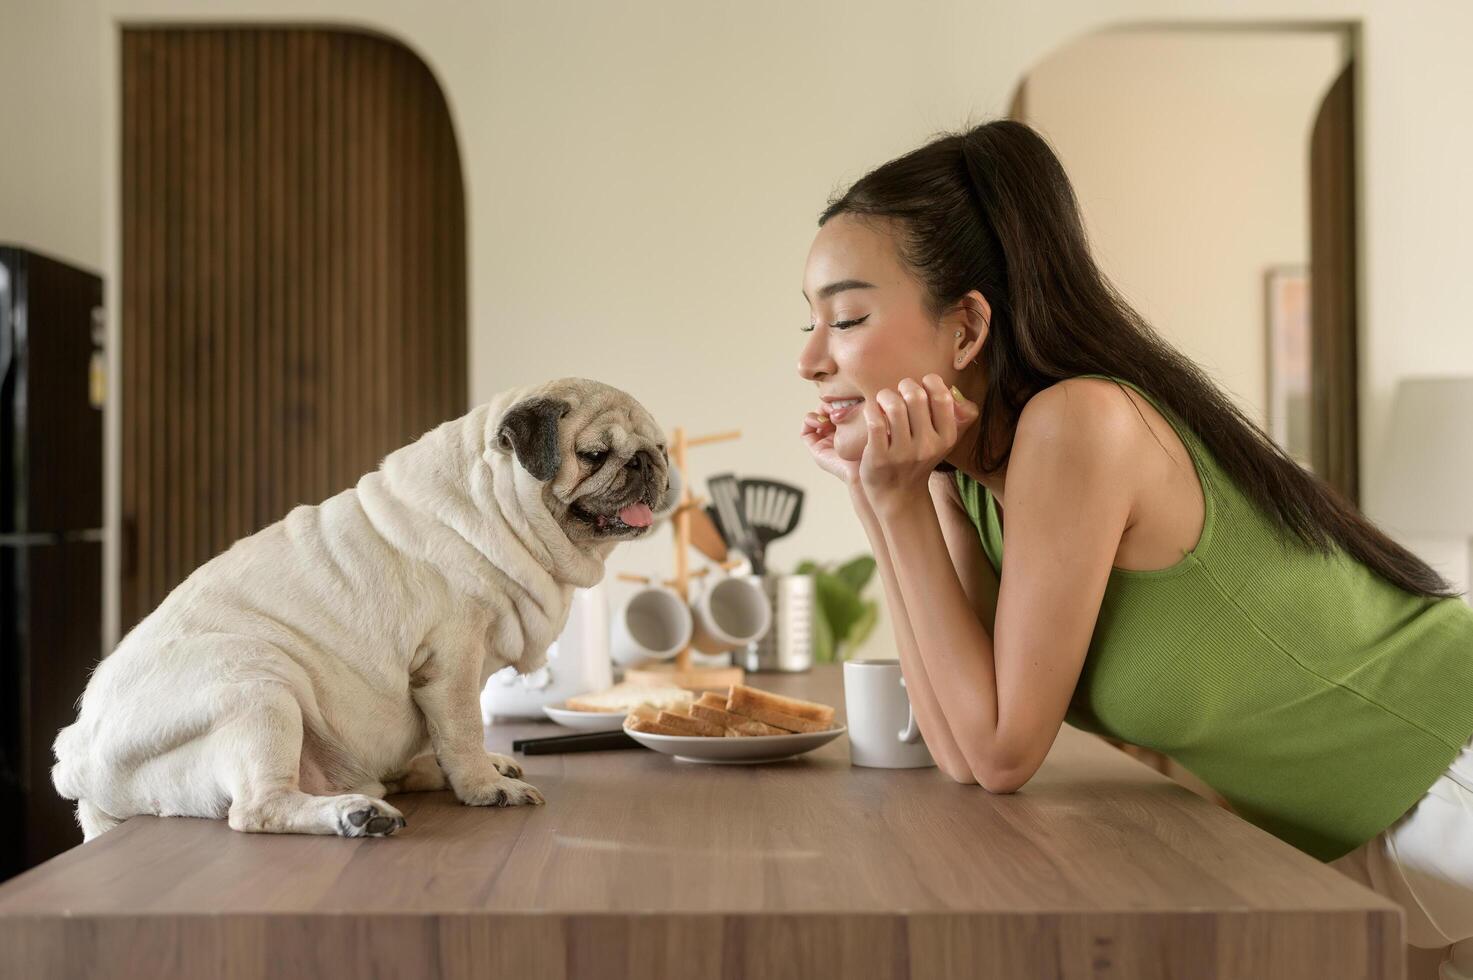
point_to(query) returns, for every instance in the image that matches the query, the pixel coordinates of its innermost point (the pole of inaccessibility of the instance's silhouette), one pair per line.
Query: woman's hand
(909, 433)
(818, 434)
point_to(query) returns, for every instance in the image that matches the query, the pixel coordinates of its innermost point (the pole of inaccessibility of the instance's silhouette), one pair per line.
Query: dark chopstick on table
(579, 742)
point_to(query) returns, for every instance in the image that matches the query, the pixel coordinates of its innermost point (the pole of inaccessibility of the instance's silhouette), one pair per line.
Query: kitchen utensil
(581, 742)
(772, 509)
(706, 536)
(716, 523)
(788, 643)
(726, 494)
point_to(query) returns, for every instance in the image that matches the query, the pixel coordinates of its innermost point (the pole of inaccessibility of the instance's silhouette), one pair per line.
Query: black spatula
(772, 509)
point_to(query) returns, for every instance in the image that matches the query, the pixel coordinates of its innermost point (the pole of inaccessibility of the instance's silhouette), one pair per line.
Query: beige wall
(1189, 152)
(642, 178)
(51, 161)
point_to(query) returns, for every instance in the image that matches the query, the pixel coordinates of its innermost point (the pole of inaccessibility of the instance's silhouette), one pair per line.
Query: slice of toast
(734, 724)
(788, 723)
(687, 725)
(641, 712)
(627, 696)
(743, 700)
(651, 727)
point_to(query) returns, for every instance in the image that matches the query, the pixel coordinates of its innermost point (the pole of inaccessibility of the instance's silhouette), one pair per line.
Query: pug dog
(337, 656)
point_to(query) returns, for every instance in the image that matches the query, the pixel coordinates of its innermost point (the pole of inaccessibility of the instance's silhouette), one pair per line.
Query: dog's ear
(530, 429)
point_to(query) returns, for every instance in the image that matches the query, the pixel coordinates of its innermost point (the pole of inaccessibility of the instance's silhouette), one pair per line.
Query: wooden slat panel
(293, 293)
(323, 340)
(172, 301)
(191, 324)
(244, 298)
(157, 550)
(231, 150)
(134, 98)
(273, 68)
(214, 228)
(378, 238)
(355, 203)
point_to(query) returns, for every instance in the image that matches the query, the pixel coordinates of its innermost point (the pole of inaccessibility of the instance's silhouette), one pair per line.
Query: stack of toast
(744, 712)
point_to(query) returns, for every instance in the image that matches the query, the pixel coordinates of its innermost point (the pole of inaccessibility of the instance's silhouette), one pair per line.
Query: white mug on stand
(652, 624)
(883, 733)
(730, 613)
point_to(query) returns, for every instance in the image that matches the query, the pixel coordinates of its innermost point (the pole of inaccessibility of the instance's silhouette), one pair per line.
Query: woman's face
(871, 327)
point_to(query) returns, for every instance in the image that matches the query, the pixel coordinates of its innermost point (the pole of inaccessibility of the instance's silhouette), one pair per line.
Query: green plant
(842, 618)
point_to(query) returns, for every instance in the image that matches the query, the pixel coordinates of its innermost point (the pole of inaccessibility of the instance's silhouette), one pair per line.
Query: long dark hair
(991, 209)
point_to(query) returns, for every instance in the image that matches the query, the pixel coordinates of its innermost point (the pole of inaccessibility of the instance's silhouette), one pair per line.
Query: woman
(1172, 578)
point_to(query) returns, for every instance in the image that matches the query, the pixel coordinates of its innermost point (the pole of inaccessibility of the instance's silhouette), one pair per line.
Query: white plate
(749, 748)
(586, 721)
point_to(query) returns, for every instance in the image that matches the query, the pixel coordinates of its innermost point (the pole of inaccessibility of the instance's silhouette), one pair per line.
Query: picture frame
(1288, 361)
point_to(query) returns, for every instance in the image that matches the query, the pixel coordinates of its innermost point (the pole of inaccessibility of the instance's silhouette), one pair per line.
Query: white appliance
(577, 662)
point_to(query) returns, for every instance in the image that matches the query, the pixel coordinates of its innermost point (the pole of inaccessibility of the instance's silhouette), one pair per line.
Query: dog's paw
(504, 792)
(506, 765)
(363, 816)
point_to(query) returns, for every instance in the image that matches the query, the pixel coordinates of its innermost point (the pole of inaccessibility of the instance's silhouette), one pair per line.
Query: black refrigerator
(51, 465)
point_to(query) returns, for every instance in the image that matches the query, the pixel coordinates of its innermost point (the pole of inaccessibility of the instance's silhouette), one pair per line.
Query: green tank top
(1319, 699)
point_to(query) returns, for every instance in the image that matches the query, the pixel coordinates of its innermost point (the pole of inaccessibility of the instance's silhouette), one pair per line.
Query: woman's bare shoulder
(1083, 415)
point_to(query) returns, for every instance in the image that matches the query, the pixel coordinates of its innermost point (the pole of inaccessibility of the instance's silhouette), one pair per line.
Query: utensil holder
(787, 646)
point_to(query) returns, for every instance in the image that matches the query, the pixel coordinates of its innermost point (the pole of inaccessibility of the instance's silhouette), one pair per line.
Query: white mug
(882, 725)
(652, 624)
(730, 613)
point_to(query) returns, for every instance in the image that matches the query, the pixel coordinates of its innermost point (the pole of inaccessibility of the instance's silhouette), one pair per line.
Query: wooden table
(643, 867)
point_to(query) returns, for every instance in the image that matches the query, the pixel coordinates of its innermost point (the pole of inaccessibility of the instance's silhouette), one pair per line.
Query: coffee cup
(883, 732)
(730, 613)
(653, 623)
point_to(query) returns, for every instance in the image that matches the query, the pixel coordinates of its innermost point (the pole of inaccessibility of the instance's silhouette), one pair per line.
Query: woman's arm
(939, 740)
(818, 433)
(1069, 499)
(950, 644)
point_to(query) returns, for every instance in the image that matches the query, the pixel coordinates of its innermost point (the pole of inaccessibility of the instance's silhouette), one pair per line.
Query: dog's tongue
(637, 515)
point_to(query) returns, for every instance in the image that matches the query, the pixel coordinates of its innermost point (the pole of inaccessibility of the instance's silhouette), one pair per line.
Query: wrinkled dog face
(599, 453)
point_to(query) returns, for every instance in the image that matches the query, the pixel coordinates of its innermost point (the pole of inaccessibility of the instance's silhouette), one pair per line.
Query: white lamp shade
(1428, 472)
